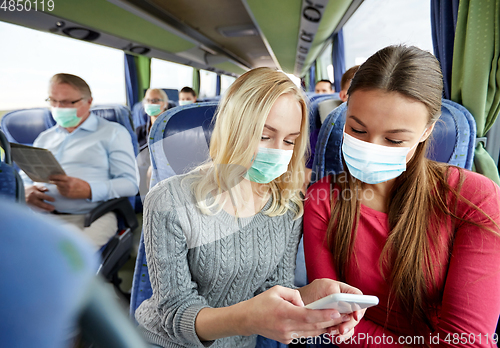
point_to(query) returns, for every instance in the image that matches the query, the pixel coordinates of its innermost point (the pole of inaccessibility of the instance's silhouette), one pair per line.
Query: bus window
(372, 27)
(31, 57)
(208, 84)
(170, 75)
(225, 82)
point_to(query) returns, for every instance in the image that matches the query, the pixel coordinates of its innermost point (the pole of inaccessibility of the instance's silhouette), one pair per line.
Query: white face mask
(185, 102)
(372, 163)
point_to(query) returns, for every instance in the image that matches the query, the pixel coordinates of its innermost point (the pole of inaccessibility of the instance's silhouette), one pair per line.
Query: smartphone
(344, 303)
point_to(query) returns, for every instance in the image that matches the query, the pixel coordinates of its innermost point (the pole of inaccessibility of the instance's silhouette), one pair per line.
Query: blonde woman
(221, 241)
(423, 236)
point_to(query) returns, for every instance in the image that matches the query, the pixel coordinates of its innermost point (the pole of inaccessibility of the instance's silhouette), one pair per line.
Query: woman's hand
(320, 288)
(279, 314)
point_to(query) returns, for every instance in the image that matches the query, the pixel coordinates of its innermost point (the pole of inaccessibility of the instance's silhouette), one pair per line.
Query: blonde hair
(159, 91)
(74, 81)
(239, 123)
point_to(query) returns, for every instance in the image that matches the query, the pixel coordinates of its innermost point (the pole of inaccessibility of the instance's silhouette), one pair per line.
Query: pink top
(470, 290)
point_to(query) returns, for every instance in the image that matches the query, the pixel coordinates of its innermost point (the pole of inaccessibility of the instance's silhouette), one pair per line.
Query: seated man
(187, 95)
(96, 155)
(345, 82)
(323, 87)
(155, 102)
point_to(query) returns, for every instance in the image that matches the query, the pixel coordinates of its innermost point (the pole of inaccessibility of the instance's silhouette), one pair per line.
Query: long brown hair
(419, 195)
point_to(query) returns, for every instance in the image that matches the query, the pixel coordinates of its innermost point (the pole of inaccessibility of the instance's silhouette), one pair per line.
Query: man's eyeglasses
(153, 101)
(62, 103)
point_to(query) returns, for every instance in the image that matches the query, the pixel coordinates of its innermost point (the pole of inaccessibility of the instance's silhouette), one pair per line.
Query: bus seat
(11, 184)
(172, 94)
(51, 286)
(185, 127)
(27, 124)
(327, 106)
(23, 126)
(8, 185)
(209, 99)
(452, 140)
(315, 101)
(122, 115)
(313, 96)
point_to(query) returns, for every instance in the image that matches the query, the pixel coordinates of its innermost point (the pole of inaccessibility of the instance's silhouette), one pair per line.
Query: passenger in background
(345, 82)
(323, 87)
(96, 155)
(221, 241)
(155, 102)
(423, 236)
(187, 95)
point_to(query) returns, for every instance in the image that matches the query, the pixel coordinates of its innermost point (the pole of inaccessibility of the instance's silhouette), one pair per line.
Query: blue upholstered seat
(23, 126)
(11, 185)
(452, 140)
(47, 274)
(50, 288)
(178, 140)
(315, 121)
(121, 114)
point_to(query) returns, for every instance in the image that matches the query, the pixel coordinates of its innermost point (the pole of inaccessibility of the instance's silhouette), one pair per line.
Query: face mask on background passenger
(65, 117)
(268, 165)
(185, 102)
(152, 109)
(372, 163)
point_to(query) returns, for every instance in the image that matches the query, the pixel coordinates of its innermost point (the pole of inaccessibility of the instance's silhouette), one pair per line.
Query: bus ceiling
(224, 36)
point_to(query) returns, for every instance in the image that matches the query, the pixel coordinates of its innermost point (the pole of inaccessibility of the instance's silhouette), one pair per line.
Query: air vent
(238, 31)
(81, 33)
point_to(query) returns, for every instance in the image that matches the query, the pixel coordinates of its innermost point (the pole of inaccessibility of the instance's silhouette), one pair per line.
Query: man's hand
(71, 187)
(35, 196)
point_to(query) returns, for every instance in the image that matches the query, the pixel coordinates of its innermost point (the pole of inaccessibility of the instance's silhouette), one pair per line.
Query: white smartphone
(344, 303)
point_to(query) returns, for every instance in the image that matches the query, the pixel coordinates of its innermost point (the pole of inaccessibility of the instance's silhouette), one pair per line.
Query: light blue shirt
(99, 152)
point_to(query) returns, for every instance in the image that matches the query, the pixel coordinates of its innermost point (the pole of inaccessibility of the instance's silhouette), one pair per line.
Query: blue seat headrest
(120, 114)
(23, 126)
(180, 139)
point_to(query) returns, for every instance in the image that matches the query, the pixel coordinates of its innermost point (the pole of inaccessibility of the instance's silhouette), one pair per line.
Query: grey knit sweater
(197, 261)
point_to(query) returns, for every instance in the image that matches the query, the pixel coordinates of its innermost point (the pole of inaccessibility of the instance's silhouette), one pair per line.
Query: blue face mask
(65, 117)
(268, 165)
(152, 109)
(372, 163)
(185, 102)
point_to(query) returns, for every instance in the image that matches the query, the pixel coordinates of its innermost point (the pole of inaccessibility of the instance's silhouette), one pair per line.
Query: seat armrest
(120, 206)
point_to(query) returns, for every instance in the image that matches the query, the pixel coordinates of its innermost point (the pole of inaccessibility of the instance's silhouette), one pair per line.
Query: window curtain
(137, 77)
(475, 81)
(217, 85)
(338, 58)
(196, 81)
(312, 77)
(443, 22)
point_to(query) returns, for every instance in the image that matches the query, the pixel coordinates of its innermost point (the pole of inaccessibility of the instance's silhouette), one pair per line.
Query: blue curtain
(132, 84)
(338, 59)
(217, 85)
(444, 15)
(312, 77)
